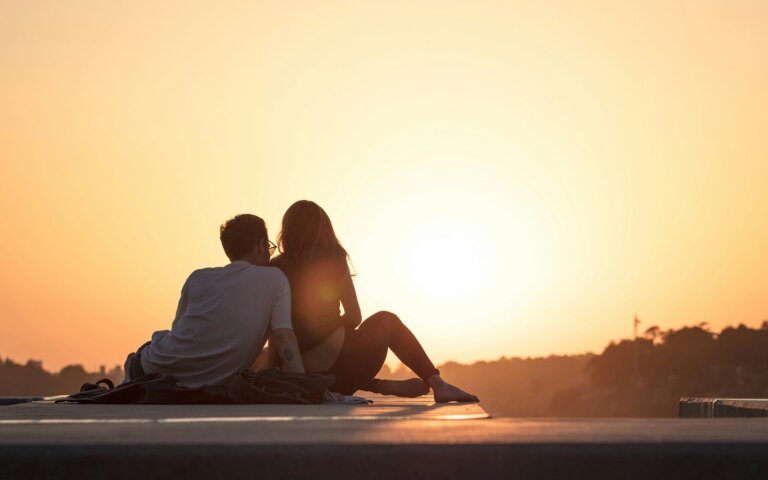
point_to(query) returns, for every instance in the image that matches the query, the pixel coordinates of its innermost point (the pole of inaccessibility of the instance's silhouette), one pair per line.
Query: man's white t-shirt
(221, 323)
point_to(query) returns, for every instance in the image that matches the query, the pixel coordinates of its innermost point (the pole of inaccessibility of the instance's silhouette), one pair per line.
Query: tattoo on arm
(288, 350)
(287, 354)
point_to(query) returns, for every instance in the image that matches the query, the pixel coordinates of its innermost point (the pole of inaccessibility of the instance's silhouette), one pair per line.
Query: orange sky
(512, 178)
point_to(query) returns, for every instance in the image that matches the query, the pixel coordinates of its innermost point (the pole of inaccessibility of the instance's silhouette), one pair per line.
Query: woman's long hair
(307, 231)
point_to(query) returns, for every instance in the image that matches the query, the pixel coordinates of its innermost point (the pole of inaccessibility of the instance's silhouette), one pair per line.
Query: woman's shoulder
(286, 261)
(320, 259)
(335, 258)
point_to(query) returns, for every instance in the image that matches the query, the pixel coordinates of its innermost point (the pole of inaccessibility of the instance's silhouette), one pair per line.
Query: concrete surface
(723, 407)
(13, 400)
(393, 438)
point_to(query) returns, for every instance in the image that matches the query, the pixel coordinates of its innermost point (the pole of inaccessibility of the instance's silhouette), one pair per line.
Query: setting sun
(441, 265)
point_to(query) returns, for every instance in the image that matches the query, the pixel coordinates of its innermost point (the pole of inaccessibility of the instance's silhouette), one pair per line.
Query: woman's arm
(352, 316)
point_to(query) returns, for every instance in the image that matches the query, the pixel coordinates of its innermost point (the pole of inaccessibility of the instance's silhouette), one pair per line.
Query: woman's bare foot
(445, 392)
(413, 387)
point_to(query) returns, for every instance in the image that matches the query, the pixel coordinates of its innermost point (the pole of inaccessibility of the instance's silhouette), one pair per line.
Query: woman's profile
(353, 350)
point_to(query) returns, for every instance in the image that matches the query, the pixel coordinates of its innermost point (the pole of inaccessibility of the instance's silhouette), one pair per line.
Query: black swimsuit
(315, 291)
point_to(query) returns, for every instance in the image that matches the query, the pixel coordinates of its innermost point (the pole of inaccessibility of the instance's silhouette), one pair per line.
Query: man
(225, 315)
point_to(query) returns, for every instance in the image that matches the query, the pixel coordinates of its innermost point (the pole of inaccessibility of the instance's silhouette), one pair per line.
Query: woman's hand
(351, 322)
(352, 316)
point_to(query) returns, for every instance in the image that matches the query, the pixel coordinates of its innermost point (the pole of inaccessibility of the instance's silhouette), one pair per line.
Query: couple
(226, 314)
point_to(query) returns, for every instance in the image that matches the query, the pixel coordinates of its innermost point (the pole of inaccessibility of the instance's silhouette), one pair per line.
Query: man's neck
(249, 259)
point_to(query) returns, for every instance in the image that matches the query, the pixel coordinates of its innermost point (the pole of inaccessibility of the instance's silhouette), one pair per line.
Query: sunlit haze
(511, 178)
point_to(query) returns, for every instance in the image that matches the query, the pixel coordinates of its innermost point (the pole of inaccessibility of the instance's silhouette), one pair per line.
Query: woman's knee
(380, 325)
(386, 318)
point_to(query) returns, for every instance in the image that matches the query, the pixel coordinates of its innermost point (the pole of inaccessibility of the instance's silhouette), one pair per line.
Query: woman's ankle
(373, 386)
(435, 381)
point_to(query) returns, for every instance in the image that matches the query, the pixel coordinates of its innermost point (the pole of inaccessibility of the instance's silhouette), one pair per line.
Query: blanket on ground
(265, 386)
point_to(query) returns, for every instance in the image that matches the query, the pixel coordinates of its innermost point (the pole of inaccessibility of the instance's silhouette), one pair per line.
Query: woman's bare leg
(386, 326)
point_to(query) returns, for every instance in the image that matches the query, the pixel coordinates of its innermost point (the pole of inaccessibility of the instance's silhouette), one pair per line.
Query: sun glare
(443, 264)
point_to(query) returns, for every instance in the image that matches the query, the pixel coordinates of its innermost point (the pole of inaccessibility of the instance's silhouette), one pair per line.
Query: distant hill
(513, 387)
(32, 379)
(642, 377)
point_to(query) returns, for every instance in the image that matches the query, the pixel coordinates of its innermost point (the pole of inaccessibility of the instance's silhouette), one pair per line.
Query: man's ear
(260, 247)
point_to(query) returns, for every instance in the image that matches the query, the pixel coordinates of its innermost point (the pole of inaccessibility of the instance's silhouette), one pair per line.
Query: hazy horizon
(512, 179)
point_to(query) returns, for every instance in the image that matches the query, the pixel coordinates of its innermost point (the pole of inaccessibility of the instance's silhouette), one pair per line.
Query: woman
(353, 351)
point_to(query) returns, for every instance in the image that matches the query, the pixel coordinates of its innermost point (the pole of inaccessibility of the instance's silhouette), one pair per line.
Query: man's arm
(273, 360)
(283, 340)
(181, 308)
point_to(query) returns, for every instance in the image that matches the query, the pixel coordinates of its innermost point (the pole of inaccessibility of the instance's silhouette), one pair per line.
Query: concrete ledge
(393, 438)
(371, 461)
(723, 407)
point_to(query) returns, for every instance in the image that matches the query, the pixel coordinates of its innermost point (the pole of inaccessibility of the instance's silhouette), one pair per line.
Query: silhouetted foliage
(690, 362)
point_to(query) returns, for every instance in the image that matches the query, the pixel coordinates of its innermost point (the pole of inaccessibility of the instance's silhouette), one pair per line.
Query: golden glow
(511, 178)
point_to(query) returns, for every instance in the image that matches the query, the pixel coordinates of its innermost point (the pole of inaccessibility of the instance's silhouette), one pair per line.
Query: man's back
(221, 323)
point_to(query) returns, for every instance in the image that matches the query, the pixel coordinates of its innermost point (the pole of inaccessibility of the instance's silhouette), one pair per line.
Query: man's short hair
(240, 234)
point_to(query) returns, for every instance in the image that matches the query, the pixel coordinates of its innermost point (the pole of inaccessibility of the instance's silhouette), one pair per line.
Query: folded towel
(350, 400)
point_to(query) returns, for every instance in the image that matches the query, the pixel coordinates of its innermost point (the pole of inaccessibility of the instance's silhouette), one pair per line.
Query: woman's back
(316, 286)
